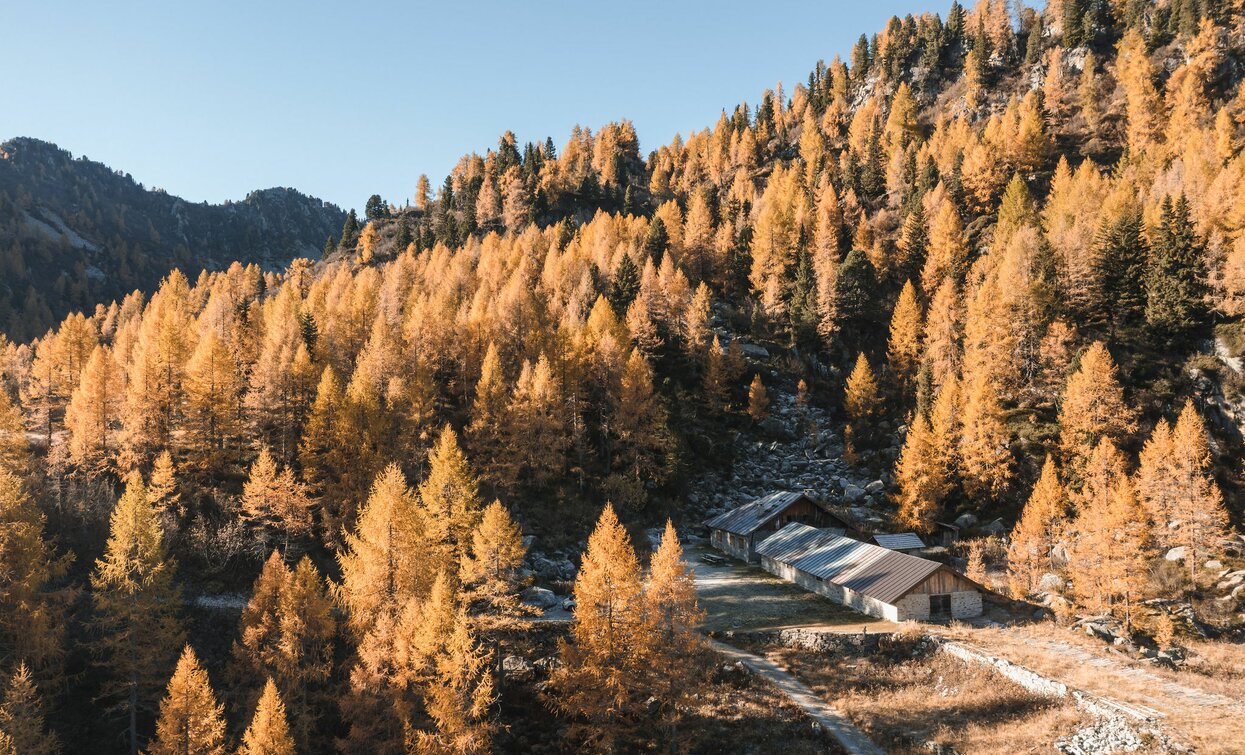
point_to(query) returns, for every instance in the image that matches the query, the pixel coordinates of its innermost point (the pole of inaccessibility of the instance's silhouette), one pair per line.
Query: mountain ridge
(76, 233)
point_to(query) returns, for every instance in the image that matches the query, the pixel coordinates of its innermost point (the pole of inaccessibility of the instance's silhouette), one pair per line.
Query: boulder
(539, 597)
(994, 528)
(1179, 553)
(516, 668)
(966, 521)
(752, 351)
(1214, 565)
(1099, 631)
(773, 427)
(1050, 582)
(875, 487)
(853, 493)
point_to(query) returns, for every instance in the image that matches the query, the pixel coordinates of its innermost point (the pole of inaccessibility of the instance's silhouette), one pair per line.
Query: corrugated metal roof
(750, 517)
(788, 540)
(902, 541)
(865, 568)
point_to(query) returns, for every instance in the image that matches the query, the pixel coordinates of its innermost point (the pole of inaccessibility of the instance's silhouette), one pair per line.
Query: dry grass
(1202, 704)
(751, 718)
(907, 703)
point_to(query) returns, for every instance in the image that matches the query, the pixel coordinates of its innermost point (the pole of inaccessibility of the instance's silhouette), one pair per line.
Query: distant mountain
(74, 233)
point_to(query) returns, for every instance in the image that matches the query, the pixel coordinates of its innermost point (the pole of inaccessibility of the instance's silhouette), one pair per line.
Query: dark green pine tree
(1033, 45)
(403, 239)
(954, 29)
(873, 176)
(376, 208)
(657, 241)
(860, 58)
(1176, 273)
(802, 308)
(1120, 269)
(1073, 23)
(330, 246)
(628, 203)
(309, 332)
(855, 291)
(913, 242)
(626, 285)
(350, 231)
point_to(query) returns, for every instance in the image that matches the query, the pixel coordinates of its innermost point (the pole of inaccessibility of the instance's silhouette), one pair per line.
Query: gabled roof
(746, 519)
(902, 541)
(865, 568)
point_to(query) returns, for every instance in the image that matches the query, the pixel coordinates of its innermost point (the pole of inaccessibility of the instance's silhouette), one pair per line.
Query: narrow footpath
(852, 740)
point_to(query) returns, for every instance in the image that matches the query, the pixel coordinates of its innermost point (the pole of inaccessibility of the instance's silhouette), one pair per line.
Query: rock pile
(1106, 735)
(793, 449)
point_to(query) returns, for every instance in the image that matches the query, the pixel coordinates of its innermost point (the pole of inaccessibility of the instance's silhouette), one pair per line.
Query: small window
(940, 606)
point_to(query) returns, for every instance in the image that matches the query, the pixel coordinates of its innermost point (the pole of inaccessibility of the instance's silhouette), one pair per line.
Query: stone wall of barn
(733, 545)
(840, 595)
(914, 606)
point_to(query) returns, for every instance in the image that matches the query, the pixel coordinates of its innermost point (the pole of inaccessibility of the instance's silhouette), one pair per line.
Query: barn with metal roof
(903, 541)
(872, 579)
(739, 530)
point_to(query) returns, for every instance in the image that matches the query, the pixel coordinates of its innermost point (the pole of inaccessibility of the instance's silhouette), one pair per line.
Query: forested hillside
(1003, 253)
(74, 233)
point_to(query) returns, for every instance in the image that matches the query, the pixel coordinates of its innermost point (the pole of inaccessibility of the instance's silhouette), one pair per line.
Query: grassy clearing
(907, 699)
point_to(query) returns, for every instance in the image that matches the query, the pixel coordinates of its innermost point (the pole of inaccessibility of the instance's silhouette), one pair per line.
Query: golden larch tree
(490, 576)
(14, 448)
(382, 563)
(191, 721)
(459, 695)
(94, 412)
(985, 458)
(269, 730)
(23, 730)
(903, 348)
(603, 657)
(758, 400)
(449, 505)
(31, 613)
(1093, 408)
(1042, 523)
(1192, 514)
(862, 401)
(672, 616)
(136, 603)
(275, 505)
(1108, 554)
(922, 480)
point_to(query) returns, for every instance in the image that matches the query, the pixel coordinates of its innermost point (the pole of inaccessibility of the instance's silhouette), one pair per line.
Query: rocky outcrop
(794, 449)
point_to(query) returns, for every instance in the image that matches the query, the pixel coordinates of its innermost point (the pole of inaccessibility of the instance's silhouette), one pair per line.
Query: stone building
(867, 577)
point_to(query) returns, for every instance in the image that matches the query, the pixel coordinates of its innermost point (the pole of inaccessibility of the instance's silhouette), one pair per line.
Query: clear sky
(210, 99)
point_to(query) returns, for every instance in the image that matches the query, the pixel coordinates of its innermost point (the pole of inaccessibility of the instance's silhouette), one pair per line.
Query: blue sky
(209, 100)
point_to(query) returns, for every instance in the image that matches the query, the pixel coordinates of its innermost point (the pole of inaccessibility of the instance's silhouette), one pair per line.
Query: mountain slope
(74, 233)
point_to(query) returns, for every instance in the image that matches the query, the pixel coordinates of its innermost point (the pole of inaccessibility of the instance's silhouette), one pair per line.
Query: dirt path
(1205, 718)
(852, 739)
